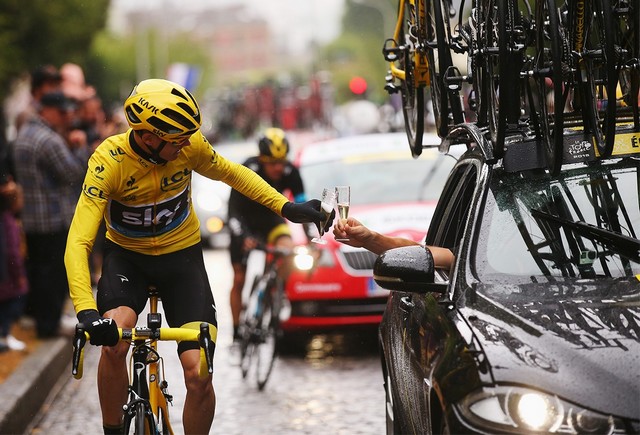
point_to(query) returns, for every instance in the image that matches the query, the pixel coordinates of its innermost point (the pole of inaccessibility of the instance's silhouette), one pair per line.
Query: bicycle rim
(634, 43)
(548, 65)
(248, 327)
(246, 347)
(627, 26)
(446, 108)
(504, 71)
(412, 96)
(266, 349)
(604, 93)
(479, 68)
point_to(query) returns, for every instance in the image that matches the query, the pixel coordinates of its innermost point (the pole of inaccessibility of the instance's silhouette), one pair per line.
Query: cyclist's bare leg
(112, 371)
(200, 401)
(235, 297)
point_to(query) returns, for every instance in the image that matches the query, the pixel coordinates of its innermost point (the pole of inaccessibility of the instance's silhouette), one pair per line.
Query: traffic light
(358, 85)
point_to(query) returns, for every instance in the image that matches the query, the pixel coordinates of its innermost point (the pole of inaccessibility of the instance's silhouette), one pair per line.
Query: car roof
(387, 145)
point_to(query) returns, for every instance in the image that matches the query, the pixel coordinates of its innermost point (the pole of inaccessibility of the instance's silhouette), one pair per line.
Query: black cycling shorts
(180, 278)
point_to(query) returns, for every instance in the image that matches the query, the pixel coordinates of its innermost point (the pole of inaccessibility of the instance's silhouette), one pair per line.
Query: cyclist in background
(140, 183)
(252, 224)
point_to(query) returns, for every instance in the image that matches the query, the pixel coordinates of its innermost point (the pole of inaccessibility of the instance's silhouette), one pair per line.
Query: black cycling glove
(307, 212)
(102, 331)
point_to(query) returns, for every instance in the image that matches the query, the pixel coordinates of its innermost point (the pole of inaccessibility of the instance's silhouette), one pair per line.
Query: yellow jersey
(147, 206)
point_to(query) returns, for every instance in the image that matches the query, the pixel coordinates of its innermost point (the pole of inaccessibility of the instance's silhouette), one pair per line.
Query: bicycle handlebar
(202, 336)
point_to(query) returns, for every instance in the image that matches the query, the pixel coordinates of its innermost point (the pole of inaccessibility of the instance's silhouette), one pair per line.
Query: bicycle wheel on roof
(626, 14)
(411, 89)
(545, 87)
(504, 43)
(445, 79)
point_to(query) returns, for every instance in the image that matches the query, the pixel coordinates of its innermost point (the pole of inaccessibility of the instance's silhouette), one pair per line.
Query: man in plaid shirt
(50, 170)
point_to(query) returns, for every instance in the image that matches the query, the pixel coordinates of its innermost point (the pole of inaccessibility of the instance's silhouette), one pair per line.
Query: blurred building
(242, 46)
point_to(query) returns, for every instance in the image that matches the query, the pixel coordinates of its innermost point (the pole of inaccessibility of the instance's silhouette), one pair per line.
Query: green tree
(35, 32)
(111, 66)
(358, 50)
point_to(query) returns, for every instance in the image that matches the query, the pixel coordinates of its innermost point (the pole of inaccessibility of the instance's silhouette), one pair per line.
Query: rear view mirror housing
(407, 269)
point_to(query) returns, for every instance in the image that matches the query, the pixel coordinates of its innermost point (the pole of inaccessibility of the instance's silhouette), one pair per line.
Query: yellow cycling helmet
(163, 108)
(273, 144)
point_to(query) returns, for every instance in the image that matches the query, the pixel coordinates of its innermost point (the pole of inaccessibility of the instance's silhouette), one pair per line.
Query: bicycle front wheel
(267, 346)
(140, 419)
(447, 107)
(413, 104)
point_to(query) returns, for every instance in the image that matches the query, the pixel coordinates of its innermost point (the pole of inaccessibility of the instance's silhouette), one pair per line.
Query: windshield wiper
(624, 245)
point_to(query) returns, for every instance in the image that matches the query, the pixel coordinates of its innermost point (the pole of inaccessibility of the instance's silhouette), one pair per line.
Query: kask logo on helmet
(147, 105)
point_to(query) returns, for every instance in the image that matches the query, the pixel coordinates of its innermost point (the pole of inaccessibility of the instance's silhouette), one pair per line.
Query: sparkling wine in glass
(328, 202)
(343, 197)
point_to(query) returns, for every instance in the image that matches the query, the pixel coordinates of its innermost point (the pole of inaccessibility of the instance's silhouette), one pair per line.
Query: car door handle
(406, 303)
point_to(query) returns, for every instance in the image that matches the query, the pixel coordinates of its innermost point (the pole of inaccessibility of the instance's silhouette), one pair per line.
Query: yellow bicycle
(146, 410)
(419, 55)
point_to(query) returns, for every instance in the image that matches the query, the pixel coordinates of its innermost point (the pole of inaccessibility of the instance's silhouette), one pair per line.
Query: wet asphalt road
(330, 384)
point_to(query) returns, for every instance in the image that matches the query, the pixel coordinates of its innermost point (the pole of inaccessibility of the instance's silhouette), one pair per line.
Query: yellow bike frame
(421, 65)
(146, 337)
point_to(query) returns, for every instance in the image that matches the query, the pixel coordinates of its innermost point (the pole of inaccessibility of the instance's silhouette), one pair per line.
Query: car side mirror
(407, 269)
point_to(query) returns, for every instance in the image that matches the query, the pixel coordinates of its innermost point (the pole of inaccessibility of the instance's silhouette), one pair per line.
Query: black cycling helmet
(273, 145)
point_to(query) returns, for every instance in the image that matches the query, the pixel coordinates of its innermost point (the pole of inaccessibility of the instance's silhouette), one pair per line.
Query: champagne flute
(328, 202)
(343, 196)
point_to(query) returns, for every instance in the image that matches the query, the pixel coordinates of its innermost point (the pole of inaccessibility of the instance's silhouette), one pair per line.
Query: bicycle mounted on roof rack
(542, 79)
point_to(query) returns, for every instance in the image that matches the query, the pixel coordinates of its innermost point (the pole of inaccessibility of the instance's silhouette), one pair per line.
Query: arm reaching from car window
(359, 236)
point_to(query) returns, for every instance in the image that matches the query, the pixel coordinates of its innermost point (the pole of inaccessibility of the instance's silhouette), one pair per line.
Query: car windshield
(382, 179)
(579, 226)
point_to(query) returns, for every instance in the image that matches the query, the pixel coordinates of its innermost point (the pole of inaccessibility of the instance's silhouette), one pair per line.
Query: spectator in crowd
(13, 277)
(51, 171)
(44, 79)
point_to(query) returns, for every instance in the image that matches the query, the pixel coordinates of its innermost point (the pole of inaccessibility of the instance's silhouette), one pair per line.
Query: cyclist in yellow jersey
(140, 183)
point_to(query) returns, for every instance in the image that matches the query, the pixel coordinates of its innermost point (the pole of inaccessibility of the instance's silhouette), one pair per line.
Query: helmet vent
(178, 117)
(133, 118)
(163, 125)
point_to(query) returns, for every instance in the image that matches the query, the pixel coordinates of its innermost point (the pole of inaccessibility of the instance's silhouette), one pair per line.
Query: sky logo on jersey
(149, 219)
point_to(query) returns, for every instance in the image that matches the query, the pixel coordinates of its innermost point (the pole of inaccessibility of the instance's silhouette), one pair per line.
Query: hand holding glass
(343, 195)
(328, 202)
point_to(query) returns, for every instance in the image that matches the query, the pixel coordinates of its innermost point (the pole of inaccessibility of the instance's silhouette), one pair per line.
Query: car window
(382, 181)
(581, 225)
(447, 225)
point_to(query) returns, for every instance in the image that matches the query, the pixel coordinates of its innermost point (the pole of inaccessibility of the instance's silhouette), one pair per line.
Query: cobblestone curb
(24, 392)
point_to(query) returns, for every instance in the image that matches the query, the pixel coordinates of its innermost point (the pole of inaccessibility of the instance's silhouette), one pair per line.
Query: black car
(536, 327)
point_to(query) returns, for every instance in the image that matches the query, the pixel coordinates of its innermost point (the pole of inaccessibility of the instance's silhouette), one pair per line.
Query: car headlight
(519, 409)
(302, 259)
(214, 224)
(208, 201)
